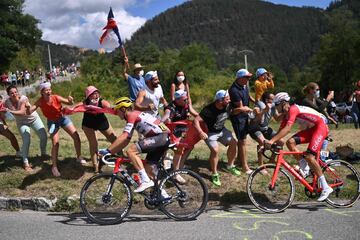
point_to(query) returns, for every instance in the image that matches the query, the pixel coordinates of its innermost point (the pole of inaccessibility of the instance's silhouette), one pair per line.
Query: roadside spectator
(13, 78)
(5, 131)
(93, 122)
(259, 129)
(312, 99)
(4, 80)
(263, 82)
(180, 83)
(27, 77)
(15, 104)
(51, 106)
(135, 82)
(240, 98)
(214, 116)
(179, 110)
(149, 98)
(355, 109)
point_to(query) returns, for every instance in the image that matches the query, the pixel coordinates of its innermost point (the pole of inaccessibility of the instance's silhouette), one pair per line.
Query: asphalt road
(301, 221)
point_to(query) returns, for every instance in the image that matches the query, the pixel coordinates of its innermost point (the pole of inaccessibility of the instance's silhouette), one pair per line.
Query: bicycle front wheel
(105, 199)
(265, 198)
(185, 195)
(344, 179)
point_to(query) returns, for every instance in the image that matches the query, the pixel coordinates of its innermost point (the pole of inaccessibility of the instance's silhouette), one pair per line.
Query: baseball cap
(138, 65)
(149, 75)
(243, 73)
(260, 71)
(180, 93)
(221, 94)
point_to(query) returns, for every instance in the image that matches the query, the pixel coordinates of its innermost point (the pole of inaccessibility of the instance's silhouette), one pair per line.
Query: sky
(80, 22)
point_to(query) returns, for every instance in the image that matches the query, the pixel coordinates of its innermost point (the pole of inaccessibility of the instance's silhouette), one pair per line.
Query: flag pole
(125, 56)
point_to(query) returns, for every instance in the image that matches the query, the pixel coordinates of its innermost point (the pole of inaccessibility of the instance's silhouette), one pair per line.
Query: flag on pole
(111, 36)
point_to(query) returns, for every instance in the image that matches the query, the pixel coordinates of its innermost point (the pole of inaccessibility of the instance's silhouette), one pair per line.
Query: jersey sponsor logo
(316, 143)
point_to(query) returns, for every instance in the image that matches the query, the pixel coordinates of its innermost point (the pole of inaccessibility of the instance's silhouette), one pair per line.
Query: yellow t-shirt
(261, 87)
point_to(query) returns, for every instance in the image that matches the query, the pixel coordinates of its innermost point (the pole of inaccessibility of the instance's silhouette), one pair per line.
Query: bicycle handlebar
(274, 148)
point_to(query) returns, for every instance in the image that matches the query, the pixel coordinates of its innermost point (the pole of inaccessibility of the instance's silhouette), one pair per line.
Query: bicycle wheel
(187, 195)
(344, 179)
(102, 206)
(263, 197)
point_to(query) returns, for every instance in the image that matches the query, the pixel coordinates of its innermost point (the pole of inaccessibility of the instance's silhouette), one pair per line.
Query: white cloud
(80, 22)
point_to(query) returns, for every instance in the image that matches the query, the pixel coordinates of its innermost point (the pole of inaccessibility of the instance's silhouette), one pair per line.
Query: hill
(60, 53)
(277, 34)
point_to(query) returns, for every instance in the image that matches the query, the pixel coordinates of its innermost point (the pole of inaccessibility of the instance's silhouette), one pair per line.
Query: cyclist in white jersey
(154, 143)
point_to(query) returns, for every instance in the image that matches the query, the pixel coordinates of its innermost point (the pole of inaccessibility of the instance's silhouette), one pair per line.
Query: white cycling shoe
(144, 186)
(325, 194)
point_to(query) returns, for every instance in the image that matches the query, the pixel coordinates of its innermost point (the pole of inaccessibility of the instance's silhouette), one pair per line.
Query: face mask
(180, 78)
(94, 101)
(317, 94)
(141, 73)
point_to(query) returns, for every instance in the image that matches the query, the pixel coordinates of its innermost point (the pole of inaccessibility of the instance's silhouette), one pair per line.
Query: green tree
(17, 30)
(339, 56)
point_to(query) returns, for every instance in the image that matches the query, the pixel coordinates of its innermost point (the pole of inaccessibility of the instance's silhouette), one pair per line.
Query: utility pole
(49, 57)
(246, 52)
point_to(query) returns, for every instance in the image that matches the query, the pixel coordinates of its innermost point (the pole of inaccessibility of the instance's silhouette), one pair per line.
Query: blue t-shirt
(135, 85)
(239, 93)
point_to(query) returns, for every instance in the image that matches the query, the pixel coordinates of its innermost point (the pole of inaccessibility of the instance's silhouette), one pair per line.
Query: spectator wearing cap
(213, 116)
(180, 82)
(15, 105)
(136, 81)
(240, 98)
(51, 106)
(355, 109)
(96, 122)
(149, 98)
(263, 82)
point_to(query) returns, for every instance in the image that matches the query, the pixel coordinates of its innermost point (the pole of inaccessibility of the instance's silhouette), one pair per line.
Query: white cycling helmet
(281, 97)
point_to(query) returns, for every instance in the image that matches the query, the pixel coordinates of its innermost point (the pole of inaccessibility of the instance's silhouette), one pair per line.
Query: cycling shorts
(154, 146)
(315, 136)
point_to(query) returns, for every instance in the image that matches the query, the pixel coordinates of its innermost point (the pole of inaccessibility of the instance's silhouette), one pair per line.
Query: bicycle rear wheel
(263, 197)
(187, 195)
(105, 199)
(344, 179)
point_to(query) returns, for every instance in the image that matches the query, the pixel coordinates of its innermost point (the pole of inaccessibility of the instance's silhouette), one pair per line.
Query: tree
(17, 30)
(339, 56)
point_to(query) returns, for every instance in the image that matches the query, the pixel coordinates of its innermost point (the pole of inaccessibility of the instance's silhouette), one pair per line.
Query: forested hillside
(277, 34)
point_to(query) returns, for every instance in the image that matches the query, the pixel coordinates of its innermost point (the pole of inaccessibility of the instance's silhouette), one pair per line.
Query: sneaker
(180, 179)
(164, 195)
(143, 186)
(55, 172)
(325, 194)
(233, 170)
(27, 168)
(81, 161)
(248, 172)
(215, 179)
(264, 172)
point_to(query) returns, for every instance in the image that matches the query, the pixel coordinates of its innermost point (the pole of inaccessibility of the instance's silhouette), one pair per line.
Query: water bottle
(168, 161)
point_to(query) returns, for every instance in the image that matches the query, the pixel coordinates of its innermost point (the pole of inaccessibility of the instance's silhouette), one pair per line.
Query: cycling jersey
(144, 123)
(314, 122)
(304, 116)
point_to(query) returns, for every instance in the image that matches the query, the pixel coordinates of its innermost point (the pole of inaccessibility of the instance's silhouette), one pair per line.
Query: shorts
(225, 136)
(315, 136)
(154, 146)
(240, 126)
(62, 122)
(256, 131)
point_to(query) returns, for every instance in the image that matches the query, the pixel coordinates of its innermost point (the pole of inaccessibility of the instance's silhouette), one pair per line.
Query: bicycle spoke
(185, 195)
(265, 198)
(104, 207)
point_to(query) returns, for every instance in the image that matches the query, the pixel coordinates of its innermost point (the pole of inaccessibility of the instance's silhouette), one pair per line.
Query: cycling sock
(323, 182)
(143, 176)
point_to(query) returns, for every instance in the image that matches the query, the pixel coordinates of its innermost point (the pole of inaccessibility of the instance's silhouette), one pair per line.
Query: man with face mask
(135, 82)
(149, 98)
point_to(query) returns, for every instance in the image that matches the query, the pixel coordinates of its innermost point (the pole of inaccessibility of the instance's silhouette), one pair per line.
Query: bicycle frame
(282, 162)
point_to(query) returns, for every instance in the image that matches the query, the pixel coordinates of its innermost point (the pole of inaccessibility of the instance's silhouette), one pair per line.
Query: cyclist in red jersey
(315, 131)
(154, 143)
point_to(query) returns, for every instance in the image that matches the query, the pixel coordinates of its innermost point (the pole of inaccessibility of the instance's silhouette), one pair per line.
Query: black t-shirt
(214, 118)
(178, 113)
